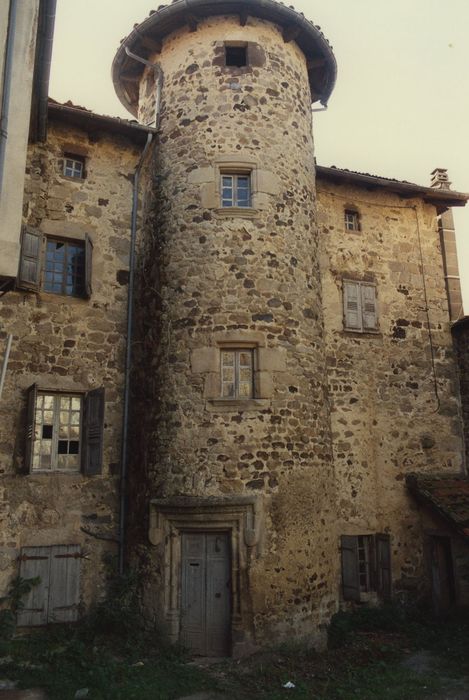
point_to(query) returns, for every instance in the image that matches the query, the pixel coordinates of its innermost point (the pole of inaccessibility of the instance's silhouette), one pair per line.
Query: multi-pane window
(57, 432)
(366, 566)
(237, 374)
(64, 270)
(60, 266)
(74, 166)
(360, 307)
(364, 562)
(351, 220)
(235, 190)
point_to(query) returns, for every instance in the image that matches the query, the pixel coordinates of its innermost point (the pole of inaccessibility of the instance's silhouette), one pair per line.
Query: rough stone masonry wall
(461, 341)
(386, 419)
(68, 344)
(210, 278)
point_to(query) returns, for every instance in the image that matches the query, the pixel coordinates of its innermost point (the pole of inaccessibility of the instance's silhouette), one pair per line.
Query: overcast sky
(400, 107)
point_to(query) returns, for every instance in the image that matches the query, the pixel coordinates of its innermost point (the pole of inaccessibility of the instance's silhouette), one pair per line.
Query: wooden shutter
(35, 561)
(383, 565)
(64, 590)
(93, 428)
(369, 310)
(350, 573)
(30, 426)
(88, 265)
(352, 306)
(29, 275)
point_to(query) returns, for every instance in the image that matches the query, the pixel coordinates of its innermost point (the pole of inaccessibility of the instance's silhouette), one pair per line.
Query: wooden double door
(206, 593)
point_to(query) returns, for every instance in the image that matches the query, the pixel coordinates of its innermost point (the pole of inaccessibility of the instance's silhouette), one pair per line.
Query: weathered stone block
(272, 359)
(205, 359)
(264, 385)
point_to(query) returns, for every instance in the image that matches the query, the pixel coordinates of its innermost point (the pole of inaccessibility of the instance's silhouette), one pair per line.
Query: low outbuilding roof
(146, 37)
(90, 121)
(445, 494)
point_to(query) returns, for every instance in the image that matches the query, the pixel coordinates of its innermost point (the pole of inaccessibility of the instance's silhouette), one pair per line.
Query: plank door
(64, 591)
(443, 589)
(35, 562)
(206, 593)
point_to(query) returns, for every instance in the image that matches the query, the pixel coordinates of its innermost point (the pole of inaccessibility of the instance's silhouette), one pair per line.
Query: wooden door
(206, 593)
(443, 589)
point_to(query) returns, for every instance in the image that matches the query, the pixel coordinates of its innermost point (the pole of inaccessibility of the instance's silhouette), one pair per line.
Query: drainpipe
(7, 78)
(130, 302)
(5, 363)
(128, 358)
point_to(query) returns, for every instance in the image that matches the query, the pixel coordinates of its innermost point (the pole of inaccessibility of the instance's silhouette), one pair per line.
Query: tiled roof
(439, 196)
(85, 118)
(170, 17)
(446, 494)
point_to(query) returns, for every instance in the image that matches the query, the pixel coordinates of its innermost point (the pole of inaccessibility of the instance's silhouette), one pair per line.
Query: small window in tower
(236, 56)
(235, 190)
(237, 374)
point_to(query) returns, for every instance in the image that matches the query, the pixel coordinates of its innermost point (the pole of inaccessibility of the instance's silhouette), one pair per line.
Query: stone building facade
(292, 359)
(295, 357)
(460, 332)
(59, 515)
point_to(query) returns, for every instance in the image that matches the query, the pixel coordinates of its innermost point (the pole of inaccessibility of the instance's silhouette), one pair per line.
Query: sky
(400, 107)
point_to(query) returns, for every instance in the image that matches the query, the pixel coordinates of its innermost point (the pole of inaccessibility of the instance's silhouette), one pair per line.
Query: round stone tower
(232, 459)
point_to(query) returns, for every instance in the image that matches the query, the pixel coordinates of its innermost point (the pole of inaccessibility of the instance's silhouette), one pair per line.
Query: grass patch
(61, 660)
(386, 653)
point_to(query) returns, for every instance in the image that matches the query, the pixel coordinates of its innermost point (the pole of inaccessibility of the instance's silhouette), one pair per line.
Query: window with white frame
(235, 189)
(74, 166)
(64, 431)
(360, 306)
(351, 220)
(237, 377)
(57, 432)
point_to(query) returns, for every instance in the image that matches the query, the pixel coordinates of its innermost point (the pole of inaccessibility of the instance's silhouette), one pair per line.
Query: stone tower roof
(145, 40)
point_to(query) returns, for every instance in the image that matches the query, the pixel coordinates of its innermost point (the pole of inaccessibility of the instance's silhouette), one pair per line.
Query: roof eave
(438, 197)
(89, 120)
(172, 17)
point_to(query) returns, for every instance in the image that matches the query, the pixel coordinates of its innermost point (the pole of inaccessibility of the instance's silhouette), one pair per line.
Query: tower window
(237, 374)
(236, 56)
(235, 190)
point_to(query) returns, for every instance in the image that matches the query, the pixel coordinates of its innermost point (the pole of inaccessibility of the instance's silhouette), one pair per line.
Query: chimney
(440, 181)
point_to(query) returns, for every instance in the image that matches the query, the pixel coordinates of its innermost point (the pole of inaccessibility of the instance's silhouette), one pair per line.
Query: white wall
(11, 195)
